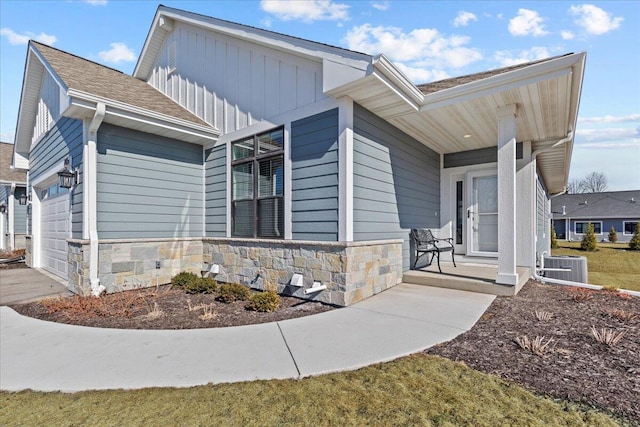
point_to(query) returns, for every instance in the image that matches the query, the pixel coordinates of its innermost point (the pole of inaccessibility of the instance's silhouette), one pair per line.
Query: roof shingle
(432, 87)
(89, 77)
(6, 173)
(620, 204)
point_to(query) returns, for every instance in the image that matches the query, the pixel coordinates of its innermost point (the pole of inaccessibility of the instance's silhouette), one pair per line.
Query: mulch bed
(131, 310)
(576, 367)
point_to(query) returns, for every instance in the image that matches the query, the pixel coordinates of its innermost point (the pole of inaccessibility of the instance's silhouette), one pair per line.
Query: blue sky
(428, 40)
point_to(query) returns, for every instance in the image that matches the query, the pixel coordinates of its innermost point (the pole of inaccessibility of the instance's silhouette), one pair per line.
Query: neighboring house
(618, 209)
(266, 155)
(13, 215)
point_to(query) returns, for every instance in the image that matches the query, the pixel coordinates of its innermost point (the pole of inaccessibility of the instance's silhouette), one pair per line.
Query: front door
(482, 215)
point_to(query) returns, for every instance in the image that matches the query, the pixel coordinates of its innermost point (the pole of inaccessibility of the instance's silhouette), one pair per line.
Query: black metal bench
(426, 243)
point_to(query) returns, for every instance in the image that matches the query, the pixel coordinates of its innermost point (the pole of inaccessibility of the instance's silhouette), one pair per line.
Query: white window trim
(575, 224)
(624, 223)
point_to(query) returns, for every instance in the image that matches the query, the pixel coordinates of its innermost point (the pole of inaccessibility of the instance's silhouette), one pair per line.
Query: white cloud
(380, 5)
(7, 137)
(119, 52)
(608, 134)
(424, 45)
(508, 58)
(422, 75)
(566, 35)
(527, 23)
(267, 22)
(306, 11)
(610, 119)
(463, 18)
(96, 2)
(20, 39)
(594, 20)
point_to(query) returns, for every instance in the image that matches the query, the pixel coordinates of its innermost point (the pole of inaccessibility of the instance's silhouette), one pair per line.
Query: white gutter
(11, 216)
(90, 196)
(570, 283)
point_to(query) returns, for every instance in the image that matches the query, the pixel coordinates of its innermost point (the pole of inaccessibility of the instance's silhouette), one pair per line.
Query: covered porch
(469, 275)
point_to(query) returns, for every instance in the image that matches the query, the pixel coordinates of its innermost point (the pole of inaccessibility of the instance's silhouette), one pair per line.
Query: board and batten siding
(216, 191)
(63, 140)
(396, 182)
(48, 109)
(314, 177)
(148, 186)
(230, 83)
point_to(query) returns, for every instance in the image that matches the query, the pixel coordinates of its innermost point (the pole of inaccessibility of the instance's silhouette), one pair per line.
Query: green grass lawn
(414, 390)
(612, 264)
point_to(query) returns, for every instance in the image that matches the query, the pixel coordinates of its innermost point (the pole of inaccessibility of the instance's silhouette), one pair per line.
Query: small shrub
(193, 284)
(264, 302)
(554, 238)
(537, 346)
(543, 316)
(607, 336)
(611, 289)
(621, 315)
(589, 242)
(155, 312)
(183, 279)
(582, 294)
(634, 243)
(613, 235)
(208, 312)
(230, 292)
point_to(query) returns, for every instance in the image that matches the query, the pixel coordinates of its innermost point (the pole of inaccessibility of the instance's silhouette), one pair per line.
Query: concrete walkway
(19, 285)
(406, 319)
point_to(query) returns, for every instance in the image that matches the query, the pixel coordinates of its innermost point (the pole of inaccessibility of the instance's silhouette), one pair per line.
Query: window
(629, 227)
(52, 191)
(581, 227)
(257, 173)
(459, 212)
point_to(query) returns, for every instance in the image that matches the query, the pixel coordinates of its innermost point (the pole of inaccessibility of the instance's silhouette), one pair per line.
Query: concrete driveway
(19, 285)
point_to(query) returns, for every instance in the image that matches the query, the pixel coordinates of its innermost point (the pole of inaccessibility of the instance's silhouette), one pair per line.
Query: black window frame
(255, 160)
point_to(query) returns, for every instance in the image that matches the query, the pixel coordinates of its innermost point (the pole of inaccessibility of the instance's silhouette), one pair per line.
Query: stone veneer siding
(131, 263)
(28, 252)
(352, 271)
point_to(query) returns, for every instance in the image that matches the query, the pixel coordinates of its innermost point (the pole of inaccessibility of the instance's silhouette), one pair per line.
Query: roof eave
(82, 103)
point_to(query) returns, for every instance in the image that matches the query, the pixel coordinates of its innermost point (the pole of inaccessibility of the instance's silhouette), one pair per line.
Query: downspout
(11, 216)
(90, 192)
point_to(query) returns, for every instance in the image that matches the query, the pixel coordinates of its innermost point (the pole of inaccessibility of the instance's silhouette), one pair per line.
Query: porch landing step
(466, 277)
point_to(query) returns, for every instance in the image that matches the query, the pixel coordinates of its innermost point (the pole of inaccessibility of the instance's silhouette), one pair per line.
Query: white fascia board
(297, 46)
(385, 67)
(119, 109)
(9, 183)
(505, 81)
(29, 102)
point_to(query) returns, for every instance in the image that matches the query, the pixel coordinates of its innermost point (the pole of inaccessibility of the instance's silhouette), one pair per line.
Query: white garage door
(55, 231)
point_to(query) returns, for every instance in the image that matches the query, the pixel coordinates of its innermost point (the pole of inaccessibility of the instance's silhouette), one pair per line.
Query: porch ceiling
(546, 93)
(542, 114)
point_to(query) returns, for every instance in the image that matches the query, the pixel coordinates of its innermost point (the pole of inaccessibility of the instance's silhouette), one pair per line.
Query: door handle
(468, 213)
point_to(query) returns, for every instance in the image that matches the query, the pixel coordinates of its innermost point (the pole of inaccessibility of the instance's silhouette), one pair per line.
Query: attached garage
(55, 229)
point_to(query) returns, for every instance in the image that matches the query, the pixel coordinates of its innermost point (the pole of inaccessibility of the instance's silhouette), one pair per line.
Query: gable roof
(610, 204)
(7, 174)
(165, 17)
(439, 85)
(82, 75)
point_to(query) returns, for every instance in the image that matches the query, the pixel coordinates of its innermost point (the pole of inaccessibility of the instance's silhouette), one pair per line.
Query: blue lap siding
(396, 182)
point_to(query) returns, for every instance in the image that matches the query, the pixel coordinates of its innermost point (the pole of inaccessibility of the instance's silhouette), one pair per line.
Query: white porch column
(507, 274)
(345, 169)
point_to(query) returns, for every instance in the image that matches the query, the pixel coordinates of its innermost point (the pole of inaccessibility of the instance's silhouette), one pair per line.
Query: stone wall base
(28, 251)
(350, 271)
